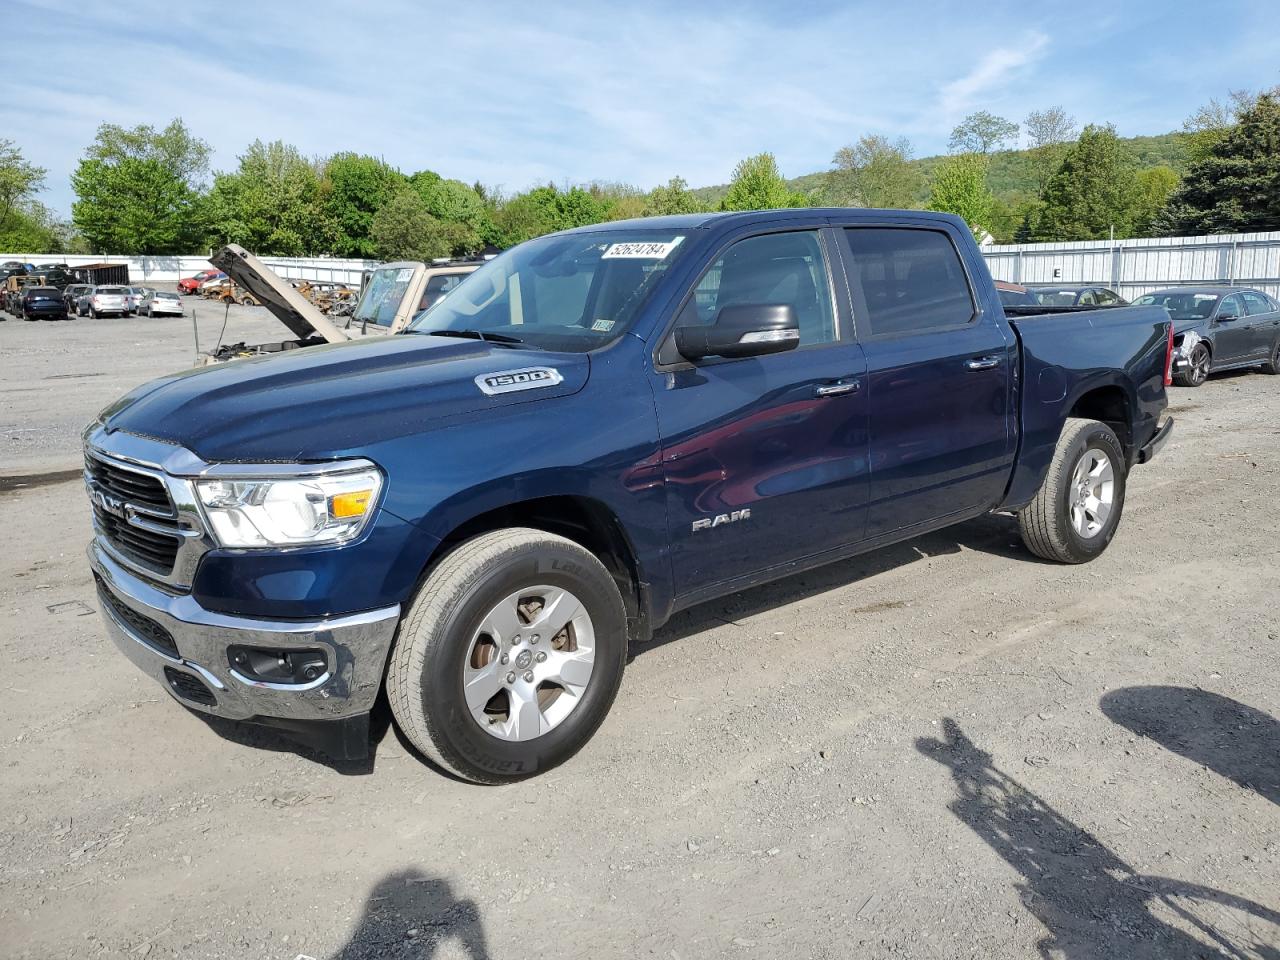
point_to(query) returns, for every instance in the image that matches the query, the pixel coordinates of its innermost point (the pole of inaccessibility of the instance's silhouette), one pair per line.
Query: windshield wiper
(471, 335)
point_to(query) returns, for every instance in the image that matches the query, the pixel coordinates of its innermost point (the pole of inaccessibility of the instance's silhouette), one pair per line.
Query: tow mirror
(742, 330)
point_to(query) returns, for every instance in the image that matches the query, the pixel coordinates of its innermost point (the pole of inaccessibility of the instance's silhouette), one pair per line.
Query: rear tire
(1196, 371)
(1272, 366)
(1077, 509)
(452, 640)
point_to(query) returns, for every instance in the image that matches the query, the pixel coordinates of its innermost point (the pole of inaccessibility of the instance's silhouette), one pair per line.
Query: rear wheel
(1196, 372)
(1077, 509)
(510, 656)
(1273, 365)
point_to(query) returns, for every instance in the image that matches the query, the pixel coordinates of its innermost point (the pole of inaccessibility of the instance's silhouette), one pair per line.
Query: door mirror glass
(1228, 314)
(742, 330)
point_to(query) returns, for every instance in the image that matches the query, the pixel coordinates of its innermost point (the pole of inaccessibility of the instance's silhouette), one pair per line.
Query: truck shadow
(410, 915)
(1233, 740)
(994, 534)
(1094, 904)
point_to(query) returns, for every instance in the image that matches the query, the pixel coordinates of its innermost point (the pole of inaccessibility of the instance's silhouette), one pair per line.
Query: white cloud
(992, 73)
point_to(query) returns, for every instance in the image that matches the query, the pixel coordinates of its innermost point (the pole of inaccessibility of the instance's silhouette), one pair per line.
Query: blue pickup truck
(595, 430)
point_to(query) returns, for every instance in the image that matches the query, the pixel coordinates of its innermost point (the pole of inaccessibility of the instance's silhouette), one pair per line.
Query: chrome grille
(133, 512)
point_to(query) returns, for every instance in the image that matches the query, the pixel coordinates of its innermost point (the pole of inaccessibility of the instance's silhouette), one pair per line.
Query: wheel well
(586, 522)
(1110, 406)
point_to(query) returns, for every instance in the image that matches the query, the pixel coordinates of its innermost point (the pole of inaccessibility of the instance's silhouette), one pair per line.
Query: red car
(190, 285)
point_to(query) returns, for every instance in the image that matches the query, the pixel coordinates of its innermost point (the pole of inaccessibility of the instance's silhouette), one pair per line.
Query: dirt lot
(946, 749)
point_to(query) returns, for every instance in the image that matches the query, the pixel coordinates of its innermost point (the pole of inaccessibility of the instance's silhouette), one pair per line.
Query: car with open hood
(1219, 328)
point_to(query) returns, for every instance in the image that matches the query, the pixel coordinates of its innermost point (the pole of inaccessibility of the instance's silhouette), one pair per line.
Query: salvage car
(15, 286)
(100, 301)
(1076, 295)
(156, 303)
(190, 285)
(395, 293)
(42, 303)
(1219, 328)
(594, 430)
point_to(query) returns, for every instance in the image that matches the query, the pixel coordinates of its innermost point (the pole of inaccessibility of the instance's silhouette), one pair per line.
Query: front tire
(510, 656)
(1197, 370)
(1272, 366)
(1077, 509)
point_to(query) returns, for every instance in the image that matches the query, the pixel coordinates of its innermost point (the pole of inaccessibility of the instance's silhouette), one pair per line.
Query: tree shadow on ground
(408, 916)
(1231, 739)
(1094, 905)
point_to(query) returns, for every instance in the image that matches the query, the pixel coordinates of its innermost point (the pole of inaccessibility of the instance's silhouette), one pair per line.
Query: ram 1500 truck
(592, 431)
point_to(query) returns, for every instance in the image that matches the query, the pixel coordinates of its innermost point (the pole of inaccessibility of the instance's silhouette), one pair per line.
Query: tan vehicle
(395, 293)
(14, 287)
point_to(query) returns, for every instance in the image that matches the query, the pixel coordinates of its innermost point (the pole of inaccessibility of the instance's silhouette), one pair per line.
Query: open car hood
(289, 306)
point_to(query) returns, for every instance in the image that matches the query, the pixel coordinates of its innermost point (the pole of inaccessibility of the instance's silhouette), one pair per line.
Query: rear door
(939, 377)
(1262, 322)
(765, 458)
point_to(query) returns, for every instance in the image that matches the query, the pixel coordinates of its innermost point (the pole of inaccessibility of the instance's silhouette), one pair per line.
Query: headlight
(290, 511)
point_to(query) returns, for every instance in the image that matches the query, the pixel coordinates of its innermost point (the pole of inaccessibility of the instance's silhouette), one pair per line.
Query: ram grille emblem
(720, 519)
(526, 378)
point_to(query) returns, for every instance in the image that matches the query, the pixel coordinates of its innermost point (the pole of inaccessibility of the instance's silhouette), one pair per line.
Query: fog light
(265, 665)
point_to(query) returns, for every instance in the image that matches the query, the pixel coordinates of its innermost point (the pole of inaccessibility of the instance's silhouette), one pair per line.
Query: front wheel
(1196, 371)
(1273, 365)
(1077, 509)
(510, 656)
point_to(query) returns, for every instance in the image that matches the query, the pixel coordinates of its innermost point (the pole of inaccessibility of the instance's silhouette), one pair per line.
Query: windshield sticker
(1206, 296)
(640, 251)
(404, 273)
(602, 326)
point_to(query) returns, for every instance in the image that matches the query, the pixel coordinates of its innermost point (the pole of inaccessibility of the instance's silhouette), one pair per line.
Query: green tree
(546, 210)
(453, 202)
(673, 197)
(1095, 190)
(31, 227)
(139, 190)
(353, 187)
(1155, 186)
(1026, 229)
(1048, 133)
(404, 229)
(982, 132)
(270, 203)
(1235, 187)
(1211, 122)
(874, 172)
(20, 181)
(960, 187)
(757, 185)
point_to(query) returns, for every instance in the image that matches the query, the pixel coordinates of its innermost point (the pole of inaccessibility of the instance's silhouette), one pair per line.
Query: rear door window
(1255, 304)
(911, 281)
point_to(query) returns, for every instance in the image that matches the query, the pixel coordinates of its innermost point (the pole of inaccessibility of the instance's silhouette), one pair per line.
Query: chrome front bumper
(355, 647)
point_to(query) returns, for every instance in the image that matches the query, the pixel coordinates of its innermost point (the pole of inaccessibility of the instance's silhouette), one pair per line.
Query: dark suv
(42, 303)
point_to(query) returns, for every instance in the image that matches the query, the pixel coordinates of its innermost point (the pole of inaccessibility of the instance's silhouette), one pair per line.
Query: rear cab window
(908, 281)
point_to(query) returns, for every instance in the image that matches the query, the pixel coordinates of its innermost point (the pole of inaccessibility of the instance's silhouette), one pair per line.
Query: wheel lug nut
(542, 655)
(528, 677)
(515, 640)
(511, 678)
(533, 639)
(505, 658)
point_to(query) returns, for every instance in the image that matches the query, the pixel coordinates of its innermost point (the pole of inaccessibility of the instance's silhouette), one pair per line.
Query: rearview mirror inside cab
(742, 330)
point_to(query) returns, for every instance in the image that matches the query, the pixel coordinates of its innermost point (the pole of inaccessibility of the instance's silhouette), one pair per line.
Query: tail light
(1168, 358)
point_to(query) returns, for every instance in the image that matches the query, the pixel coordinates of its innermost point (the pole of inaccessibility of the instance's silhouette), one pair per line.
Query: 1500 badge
(526, 378)
(720, 519)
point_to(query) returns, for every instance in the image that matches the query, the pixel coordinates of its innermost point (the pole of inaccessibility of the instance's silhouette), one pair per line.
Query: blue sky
(512, 94)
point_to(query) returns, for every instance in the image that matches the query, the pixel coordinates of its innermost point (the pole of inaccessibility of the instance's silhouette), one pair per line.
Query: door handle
(838, 389)
(982, 363)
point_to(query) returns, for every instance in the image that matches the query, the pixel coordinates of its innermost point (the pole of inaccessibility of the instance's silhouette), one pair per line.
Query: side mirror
(742, 330)
(1227, 316)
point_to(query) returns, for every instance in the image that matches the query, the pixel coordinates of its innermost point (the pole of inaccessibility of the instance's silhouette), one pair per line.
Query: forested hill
(1011, 174)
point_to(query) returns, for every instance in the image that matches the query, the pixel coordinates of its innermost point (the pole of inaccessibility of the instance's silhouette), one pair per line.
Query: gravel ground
(946, 749)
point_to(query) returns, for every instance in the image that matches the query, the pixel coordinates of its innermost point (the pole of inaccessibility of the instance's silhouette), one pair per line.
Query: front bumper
(355, 648)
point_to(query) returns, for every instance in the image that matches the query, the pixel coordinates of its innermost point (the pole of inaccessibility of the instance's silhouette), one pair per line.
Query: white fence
(1130, 267)
(173, 269)
(1135, 267)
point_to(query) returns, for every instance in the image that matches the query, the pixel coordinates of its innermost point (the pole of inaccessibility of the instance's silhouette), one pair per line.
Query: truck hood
(320, 403)
(285, 303)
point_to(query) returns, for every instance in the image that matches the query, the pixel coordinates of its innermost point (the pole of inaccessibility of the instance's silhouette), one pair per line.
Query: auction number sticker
(640, 251)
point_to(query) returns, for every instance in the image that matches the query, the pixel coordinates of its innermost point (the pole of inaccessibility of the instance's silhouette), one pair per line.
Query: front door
(764, 457)
(1263, 322)
(1231, 337)
(939, 377)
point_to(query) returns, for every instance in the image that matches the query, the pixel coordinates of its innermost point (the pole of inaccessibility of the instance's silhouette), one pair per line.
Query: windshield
(572, 292)
(1183, 306)
(382, 295)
